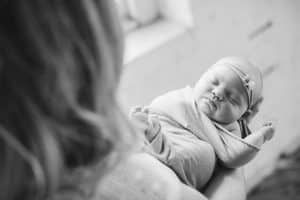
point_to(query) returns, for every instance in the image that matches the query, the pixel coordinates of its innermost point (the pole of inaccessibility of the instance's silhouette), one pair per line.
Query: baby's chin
(204, 108)
(207, 110)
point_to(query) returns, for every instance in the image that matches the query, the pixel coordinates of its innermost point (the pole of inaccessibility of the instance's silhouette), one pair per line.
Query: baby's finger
(145, 110)
(135, 110)
(269, 132)
(140, 120)
(269, 135)
(268, 124)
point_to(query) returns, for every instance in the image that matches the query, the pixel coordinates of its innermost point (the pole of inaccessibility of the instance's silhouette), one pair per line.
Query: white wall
(223, 28)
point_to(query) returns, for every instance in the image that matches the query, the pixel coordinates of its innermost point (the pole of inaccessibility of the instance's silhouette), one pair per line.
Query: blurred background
(170, 43)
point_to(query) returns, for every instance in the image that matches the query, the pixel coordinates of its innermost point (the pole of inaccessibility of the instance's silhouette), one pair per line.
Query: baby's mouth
(211, 103)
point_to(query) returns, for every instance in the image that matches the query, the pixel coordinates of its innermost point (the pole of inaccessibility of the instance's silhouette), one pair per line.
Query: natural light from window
(148, 24)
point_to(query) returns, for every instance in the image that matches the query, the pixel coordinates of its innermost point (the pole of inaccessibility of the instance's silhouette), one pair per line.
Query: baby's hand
(139, 117)
(148, 123)
(267, 131)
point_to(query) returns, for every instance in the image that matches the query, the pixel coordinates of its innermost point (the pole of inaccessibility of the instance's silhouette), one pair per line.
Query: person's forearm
(189, 193)
(227, 184)
(154, 129)
(238, 154)
(235, 151)
(265, 133)
(256, 139)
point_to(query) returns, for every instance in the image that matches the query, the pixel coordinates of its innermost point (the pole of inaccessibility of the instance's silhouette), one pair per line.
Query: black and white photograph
(149, 100)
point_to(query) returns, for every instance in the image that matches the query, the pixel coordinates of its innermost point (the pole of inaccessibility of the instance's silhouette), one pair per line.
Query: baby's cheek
(229, 113)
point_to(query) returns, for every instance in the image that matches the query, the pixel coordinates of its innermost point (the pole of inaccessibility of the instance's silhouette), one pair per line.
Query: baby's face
(220, 95)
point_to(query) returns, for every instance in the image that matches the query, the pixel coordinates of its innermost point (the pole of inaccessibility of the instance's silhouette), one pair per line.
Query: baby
(181, 124)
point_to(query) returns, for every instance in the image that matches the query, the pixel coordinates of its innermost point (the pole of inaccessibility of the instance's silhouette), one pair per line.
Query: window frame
(172, 18)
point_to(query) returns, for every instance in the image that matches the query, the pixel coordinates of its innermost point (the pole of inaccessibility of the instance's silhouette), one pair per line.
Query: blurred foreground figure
(60, 63)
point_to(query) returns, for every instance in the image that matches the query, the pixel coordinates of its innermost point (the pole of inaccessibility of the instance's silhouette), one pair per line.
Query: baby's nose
(218, 93)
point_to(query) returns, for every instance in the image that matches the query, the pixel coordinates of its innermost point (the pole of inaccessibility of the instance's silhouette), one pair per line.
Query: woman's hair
(60, 63)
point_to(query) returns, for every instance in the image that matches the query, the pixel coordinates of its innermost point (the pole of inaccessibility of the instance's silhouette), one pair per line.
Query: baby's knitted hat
(250, 75)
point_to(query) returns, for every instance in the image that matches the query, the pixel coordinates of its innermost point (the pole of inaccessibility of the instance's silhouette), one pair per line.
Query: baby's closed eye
(233, 98)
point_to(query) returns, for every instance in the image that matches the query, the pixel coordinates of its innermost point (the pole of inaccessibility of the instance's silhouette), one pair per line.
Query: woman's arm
(227, 184)
(142, 176)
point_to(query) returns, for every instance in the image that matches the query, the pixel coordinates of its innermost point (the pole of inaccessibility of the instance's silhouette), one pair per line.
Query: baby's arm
(193, 160)
(260, 136)
(160, 145)
(240, 151)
